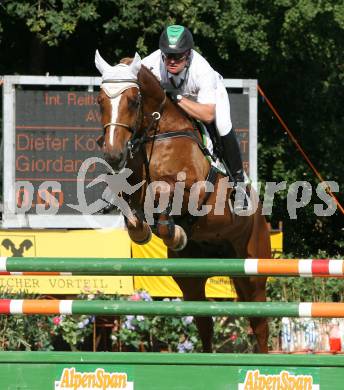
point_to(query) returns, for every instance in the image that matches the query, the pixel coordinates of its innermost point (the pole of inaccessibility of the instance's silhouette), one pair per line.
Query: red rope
(298, 146)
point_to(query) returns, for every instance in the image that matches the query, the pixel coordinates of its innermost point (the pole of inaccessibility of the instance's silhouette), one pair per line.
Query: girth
(179, 134)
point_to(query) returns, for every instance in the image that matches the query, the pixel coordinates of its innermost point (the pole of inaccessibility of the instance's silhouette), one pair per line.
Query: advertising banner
(68, 243)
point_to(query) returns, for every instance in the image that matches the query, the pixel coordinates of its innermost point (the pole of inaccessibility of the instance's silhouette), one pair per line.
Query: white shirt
(200, 82)
(202, 85)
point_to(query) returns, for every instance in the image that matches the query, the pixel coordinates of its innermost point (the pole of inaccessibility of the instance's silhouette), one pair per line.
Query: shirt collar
(177, 79)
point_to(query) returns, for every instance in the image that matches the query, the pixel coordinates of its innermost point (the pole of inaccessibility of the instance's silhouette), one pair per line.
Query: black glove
(172, 93)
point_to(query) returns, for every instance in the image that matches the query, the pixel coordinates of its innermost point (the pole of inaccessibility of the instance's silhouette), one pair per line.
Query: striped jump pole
(170, 267)
(178, 309)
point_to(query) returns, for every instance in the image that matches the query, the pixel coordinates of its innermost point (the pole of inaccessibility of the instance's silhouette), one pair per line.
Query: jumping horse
(146, 132)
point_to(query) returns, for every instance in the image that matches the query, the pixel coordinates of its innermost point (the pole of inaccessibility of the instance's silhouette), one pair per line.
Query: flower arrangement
(128, 333)
(73, 329)
(170, 334)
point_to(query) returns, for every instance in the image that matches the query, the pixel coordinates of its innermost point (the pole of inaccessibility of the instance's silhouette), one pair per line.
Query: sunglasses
(176, 57)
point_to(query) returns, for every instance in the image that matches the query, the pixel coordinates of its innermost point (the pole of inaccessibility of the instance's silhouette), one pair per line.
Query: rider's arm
(200, 111)
(204, 107)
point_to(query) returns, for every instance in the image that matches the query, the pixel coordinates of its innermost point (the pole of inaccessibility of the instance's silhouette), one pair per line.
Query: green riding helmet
(175, 40)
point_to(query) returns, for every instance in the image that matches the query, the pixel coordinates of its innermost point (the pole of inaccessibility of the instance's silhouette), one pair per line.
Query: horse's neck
(173, 118)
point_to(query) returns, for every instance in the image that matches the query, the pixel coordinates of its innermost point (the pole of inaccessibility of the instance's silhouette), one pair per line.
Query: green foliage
(305, 289)
(131, 333)
(233, 335)
(179, 334)
(24, 333)
(172, 334)
(40, 332)
(52, 21)
(29, 333)
(73, 329)
(157, 333)
(243, 25)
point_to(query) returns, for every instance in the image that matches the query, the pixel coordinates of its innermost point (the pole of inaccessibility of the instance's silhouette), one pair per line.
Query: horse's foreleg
(173, 235)
(193, 289)
(253, 290)
(176, 241)
(159, 204)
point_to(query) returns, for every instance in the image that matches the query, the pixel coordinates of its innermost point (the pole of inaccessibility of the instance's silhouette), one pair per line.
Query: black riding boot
(233, 162)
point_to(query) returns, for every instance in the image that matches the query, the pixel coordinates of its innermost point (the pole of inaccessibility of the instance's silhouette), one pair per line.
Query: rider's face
(175, 63)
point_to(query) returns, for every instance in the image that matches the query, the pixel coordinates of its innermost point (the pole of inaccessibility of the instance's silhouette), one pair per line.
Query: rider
(196, 88)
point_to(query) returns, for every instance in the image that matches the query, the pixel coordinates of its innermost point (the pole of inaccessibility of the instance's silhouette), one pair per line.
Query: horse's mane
(144, 71)
(151, 85)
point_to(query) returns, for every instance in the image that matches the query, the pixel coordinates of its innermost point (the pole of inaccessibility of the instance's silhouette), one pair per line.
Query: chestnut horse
(146, 132)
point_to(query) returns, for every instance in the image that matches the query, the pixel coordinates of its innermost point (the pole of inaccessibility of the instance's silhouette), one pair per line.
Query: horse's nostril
(107, 157)
(115, 160)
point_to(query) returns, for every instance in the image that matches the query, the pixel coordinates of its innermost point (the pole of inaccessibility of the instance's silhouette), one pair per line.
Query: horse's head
(120, 105)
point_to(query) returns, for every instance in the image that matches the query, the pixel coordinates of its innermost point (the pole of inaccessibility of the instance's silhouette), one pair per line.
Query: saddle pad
(208, 143)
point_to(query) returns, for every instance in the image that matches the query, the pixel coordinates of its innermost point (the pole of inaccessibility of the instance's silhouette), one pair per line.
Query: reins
(155, 118)
(138, 140)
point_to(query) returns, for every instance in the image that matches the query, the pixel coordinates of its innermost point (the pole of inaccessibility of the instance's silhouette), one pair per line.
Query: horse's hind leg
(193, 289)
(252, 289)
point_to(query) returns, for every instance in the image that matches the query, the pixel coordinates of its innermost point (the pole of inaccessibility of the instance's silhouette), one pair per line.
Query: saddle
(212, 143)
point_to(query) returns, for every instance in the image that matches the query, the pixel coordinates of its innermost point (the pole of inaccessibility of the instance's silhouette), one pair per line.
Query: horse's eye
(133, 103)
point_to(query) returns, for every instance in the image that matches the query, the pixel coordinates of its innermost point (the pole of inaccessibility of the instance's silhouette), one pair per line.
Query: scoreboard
(55, 131)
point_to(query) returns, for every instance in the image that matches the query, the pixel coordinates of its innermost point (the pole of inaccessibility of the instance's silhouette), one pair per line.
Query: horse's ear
(101, 64)
(135, 66)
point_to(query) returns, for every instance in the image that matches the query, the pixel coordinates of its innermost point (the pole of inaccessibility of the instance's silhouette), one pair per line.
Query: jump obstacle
(96, 370)
(176, 309)
(170, 267)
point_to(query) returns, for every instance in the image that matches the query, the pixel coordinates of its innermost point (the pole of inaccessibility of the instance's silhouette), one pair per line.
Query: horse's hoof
(179, 241)
(145, 241)
(142, 237)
